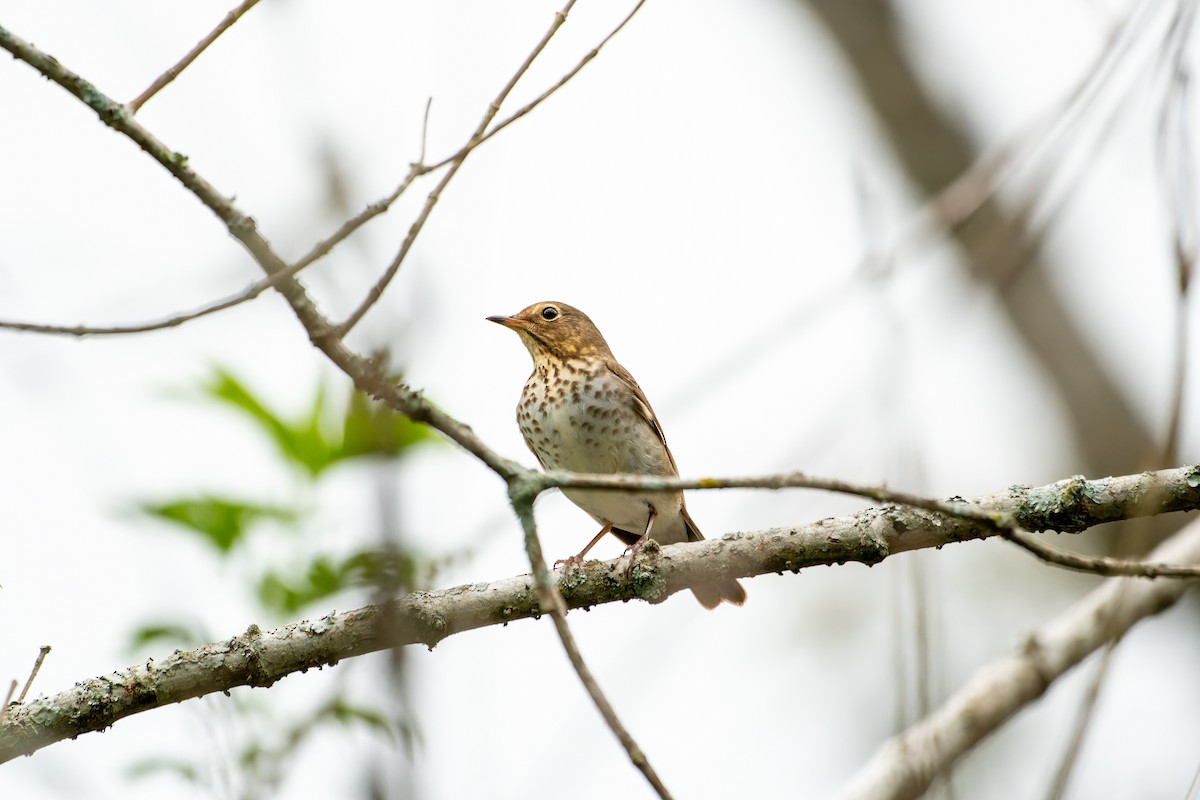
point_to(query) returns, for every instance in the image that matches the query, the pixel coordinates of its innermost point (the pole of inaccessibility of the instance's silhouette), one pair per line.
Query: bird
(581, 411)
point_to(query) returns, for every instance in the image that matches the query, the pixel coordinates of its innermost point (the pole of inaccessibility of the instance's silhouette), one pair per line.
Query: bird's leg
(637, 546)
(575, 561)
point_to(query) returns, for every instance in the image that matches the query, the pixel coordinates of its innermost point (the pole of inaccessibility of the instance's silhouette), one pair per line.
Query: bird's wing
(642, 406)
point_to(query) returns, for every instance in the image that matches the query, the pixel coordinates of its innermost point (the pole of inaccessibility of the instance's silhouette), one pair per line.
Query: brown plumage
(582, 411)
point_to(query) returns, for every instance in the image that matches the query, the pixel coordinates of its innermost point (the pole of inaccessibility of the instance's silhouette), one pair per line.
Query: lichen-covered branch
(868, 537)
(907, 765)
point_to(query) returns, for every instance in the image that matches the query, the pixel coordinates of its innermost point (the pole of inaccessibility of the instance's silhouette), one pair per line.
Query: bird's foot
(569, 563)
(632, 552)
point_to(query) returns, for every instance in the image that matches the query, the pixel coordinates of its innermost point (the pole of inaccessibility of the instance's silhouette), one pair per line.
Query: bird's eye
(549, 312)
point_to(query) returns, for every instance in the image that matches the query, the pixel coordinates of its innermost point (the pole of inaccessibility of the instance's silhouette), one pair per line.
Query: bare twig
(906, 765)
(1177, 172)
(989, 514)
(1062, 778)
(425, 131)
(455, 163)
(246, 295)
(174, 72)
(1194, 791)
(1099, 565)
(37, 665)
(319, 250)
(480, 135)
(522, 497)
(367, 375)
(346, 229)
(499, 126)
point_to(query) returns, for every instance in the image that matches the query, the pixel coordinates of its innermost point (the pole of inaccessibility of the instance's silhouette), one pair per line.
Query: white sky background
(706, 190)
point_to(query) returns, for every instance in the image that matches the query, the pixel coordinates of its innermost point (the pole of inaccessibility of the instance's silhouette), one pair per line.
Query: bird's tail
(721, 590)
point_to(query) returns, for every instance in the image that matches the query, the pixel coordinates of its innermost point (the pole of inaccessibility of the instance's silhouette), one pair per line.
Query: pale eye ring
(549, 312)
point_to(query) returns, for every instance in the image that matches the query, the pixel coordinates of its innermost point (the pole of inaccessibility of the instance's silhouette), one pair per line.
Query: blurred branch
(868, 537)
(906, 765)
(1062, 778)
(193, 54)
(1177, 173)
(934, 149)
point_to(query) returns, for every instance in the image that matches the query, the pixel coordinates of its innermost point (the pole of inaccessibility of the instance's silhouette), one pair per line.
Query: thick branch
(256, 659)
(907, 765)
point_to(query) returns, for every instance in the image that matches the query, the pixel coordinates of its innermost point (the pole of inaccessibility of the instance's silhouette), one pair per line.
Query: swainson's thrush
(582, 411)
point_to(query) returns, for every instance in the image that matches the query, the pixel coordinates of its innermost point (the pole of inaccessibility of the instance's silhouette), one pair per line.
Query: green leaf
(229, 389)
(373, 429)
(346, 713)
(188, 771)
(219, 521)
(386, 569)
(324, 578)
(283, 597)
(368, 428)
(168, 633)
(303, 443)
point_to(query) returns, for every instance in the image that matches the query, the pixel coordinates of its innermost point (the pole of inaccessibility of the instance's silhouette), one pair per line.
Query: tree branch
(174, 72)
(480, 135)
(868, 537)
(366, 374)
(906, 765)
(1099, 565)
(522, 495)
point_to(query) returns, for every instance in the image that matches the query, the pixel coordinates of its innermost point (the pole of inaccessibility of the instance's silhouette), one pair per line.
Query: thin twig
(786, 480)
(346, 229)
(193, 54)
(480, 135)
(425, 131)
(1000, 522)
(1177, 171)
(493, 108)
(1062, 778)
(366, 374)
(254, 290)
(551, 600)
(1099, 565)
(1194, 791)
(595, 51)
(251, 292)
(37, 665)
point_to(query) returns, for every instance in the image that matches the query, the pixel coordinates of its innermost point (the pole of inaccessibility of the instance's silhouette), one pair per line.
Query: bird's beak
(508, 322)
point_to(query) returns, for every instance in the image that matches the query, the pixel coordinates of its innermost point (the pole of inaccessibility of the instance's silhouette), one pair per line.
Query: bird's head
(556, 330)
